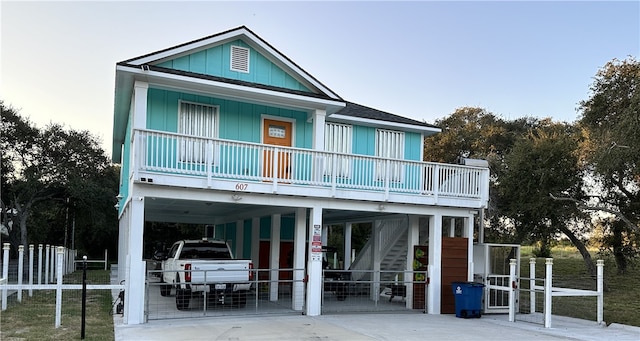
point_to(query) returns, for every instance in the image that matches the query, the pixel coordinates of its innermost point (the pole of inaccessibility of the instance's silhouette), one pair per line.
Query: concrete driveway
(371, 327)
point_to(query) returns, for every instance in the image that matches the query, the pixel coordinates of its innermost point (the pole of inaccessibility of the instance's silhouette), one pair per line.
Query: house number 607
(241, 187)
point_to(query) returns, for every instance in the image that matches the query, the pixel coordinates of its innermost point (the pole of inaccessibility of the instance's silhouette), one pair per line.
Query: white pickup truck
(205, 267)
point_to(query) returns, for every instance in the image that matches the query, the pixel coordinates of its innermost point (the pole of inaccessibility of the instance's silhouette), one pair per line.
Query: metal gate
(265, 297)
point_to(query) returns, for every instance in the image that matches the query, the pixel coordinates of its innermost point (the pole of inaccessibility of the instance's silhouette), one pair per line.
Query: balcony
(187, 161)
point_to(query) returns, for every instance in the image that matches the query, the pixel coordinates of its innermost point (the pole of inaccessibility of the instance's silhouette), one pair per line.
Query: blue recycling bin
(468, 296)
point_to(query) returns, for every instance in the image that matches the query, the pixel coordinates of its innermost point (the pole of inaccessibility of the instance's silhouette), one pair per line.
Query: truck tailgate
(219, 271)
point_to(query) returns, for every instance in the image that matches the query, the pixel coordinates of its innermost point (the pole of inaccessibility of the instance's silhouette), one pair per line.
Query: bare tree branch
(583, 206)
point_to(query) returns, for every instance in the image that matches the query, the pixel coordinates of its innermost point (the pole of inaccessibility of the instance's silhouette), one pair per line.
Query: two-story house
(227, 131)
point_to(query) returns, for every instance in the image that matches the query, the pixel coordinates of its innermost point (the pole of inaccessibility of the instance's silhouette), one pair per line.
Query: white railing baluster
(211, 158)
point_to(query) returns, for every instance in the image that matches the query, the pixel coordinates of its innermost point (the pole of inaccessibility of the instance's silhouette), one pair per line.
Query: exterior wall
(215, 61)
(236, 121)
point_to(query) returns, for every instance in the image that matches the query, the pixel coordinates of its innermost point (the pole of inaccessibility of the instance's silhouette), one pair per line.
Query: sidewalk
(371, 327)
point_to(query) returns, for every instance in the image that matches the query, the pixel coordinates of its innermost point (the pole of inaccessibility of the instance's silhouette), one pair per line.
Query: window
(198, 121)
(239, 59)
(389, 145)
(337, 138)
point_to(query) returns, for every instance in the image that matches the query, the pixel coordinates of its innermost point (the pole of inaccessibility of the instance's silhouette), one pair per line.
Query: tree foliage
(55, 179)
(610, 118)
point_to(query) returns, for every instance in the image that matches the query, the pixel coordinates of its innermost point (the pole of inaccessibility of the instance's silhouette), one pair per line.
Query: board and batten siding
(216, 61)
(236, 120)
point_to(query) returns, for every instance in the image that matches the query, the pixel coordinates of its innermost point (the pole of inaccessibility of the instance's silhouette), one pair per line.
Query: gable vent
(239, 59)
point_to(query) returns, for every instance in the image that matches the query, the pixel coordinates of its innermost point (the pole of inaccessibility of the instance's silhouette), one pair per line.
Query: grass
(34, 318)
(621, 296)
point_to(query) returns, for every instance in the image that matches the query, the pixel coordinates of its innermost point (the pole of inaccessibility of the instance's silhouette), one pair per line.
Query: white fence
(548, 290)
(58, 258)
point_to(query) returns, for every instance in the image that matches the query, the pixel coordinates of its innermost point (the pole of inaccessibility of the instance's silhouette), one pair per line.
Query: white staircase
(390, 238)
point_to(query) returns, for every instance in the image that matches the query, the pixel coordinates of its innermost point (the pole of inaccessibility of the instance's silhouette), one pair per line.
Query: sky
(420, 59)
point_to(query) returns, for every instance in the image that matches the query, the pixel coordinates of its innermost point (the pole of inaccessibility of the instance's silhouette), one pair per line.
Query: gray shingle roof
(361, 111)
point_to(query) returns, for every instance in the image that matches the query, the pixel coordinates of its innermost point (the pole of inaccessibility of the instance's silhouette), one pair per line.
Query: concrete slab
(371, 327)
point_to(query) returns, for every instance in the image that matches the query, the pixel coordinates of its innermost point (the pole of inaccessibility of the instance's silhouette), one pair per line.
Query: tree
(475, 133)
(544, 162)
(53, 174)
(611, 120)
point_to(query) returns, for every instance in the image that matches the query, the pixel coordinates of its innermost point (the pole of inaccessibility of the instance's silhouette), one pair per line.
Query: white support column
(375, 254)
(314, 265)
(239, 239)
(452, 227)
(255, 242)
(40, 263)
(20, 269)
(31, 247)
(318, 129)
(413, 238)
(299, 244)
(123, 243)
(548, 285)
(140, 90)
(135, 276)
(318, 117)
(468, 233)
(348, 231)
(274, 257)
(435, 264)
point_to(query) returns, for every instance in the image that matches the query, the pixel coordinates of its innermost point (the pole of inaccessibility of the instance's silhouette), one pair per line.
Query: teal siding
(246, 243)
(265, 228)
(364, 140)
(216, 61)
(236, 121)
(412, 146)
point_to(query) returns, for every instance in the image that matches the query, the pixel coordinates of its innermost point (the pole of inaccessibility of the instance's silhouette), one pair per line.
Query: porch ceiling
(202, 212)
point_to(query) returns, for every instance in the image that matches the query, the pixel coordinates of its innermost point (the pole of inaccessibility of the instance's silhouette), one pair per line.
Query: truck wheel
(165, 290)
(182, 299)
(239, 299)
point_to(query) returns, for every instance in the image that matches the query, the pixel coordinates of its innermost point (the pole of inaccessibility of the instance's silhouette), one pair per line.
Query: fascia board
(232, 91)
(385, 124)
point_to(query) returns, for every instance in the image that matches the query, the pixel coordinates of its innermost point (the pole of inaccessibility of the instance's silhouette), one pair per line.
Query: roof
(239, 32)
(374, 117)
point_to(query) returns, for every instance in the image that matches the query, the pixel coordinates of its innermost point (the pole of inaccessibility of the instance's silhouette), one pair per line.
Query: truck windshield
(204, 251)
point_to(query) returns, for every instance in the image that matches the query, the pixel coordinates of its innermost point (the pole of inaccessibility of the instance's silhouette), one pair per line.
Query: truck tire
(239, 299)
(182, 299)
(165, 290)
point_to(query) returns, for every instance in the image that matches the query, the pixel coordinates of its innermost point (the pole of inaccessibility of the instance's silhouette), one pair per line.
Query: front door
(277, 133)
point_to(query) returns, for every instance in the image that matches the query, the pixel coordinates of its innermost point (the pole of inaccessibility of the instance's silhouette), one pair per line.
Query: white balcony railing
(172, 153)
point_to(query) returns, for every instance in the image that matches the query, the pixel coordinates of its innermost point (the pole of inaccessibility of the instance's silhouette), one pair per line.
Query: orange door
(277, 133)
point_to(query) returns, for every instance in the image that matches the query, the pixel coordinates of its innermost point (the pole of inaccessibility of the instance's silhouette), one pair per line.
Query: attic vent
(239, 59)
